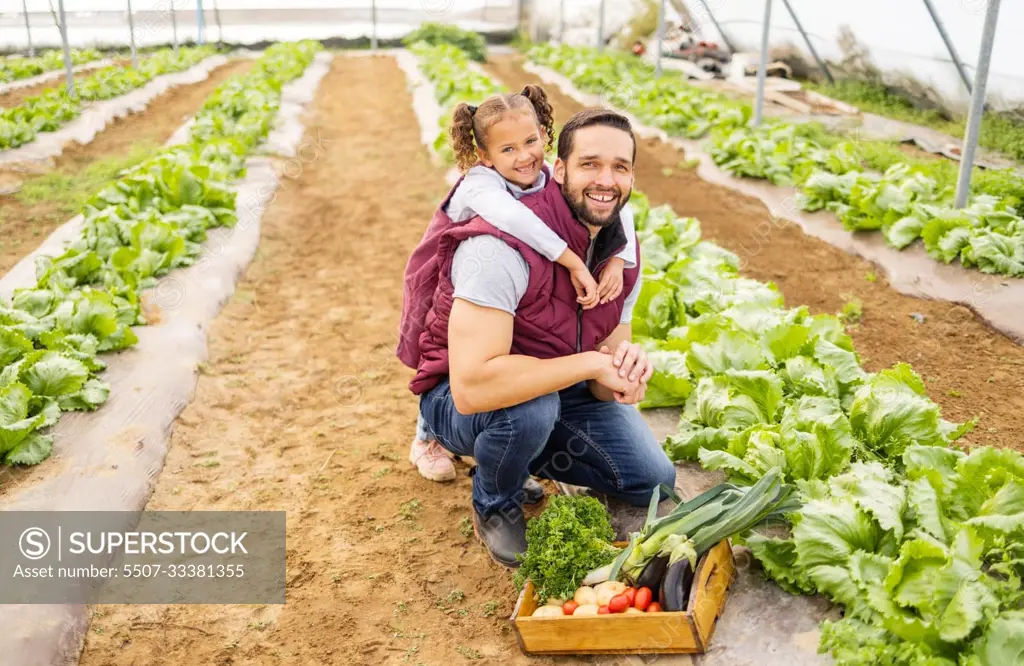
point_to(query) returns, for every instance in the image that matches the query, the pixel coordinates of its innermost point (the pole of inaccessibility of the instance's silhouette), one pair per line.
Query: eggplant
(675, 588)
(653, 573)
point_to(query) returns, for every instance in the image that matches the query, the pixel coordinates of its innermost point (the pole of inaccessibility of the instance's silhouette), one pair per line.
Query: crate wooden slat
(649, 633)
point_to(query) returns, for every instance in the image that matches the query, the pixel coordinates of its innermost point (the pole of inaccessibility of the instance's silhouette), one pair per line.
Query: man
(513, 373)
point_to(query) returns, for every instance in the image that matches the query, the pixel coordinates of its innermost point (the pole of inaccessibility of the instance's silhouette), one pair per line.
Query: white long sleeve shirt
(486, 193)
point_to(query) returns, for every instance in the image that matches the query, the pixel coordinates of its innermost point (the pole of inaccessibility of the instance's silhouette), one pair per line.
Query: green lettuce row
(470, 44)
(15, 69)
(907, 206)
(763, 386)
(928, 566)
(151, 220)
(52, 109)
(447, 67)
(910, 199)
(922, 544)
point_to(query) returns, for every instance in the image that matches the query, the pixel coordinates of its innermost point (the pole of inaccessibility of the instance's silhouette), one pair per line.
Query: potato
(588, 609)
(618, 586)
(605, 591)
(548, 611)
(585, 596)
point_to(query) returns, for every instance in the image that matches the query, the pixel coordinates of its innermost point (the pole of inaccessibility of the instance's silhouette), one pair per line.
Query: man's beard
(578, 204)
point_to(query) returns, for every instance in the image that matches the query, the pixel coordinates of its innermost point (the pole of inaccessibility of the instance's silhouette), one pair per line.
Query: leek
(691, 528)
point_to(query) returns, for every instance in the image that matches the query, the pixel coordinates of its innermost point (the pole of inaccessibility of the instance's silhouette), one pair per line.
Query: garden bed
(108, 460)
(40, 198)
(97, 115)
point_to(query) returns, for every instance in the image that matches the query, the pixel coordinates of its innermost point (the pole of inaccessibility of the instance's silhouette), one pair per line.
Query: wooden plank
(646, 633)
(526, 605)
(707, 601)
(785, 100)
(825, 100)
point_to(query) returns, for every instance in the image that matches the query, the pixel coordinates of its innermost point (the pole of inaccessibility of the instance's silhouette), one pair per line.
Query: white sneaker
(433, 461)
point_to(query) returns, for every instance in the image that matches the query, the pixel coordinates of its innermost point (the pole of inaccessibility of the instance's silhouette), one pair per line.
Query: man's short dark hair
(590, 118)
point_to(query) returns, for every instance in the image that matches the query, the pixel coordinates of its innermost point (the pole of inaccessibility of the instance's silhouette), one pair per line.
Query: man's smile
(602, 199)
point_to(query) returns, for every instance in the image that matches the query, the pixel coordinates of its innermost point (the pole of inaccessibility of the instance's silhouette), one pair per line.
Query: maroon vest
(548, 322)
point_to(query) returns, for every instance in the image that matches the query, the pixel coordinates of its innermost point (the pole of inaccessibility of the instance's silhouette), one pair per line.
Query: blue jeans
(568, 436)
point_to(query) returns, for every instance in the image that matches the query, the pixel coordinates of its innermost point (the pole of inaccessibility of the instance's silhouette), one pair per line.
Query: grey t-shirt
(487, 271)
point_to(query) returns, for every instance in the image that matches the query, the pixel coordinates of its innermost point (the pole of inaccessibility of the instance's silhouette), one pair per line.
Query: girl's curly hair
(468, 130)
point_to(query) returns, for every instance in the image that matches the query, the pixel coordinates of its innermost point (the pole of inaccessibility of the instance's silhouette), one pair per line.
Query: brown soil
(914, 150)
(969, 369)
(15, 97)
(25, 225)
(307, 410)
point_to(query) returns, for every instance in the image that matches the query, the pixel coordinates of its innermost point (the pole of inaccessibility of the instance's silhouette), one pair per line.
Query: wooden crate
(648, 633)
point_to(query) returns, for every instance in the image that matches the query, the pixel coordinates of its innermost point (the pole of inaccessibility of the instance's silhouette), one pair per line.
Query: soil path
(303, 407)
(24, 224)
(969, 369)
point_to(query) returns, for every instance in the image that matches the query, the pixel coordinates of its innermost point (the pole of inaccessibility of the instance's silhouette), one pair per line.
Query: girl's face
(515, 148)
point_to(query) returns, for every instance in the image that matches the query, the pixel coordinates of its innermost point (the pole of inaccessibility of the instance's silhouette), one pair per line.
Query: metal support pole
(762, 69)
(174, 28)
(131, 36)
(561, 22)
(711, 15)
(949, 45)
(988, 35)
(199, 22)
(28, 30)
(807, 40)
(373, 20)
(220, 26)
(68, 67)
(660, 36)
(600, 28)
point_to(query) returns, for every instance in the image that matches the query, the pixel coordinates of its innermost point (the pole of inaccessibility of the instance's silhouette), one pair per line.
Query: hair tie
(472, 109)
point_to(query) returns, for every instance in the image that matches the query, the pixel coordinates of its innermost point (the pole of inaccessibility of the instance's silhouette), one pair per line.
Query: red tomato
(619, 603)
(603, 610)
(630, 594)
(569, 607)
(655, 607)
(643, 598)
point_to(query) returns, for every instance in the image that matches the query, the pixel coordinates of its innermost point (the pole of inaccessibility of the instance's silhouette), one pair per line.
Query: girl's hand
(611, 280)
(586, 287)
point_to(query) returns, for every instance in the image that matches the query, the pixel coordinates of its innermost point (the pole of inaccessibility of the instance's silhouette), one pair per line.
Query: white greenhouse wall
(898, 34)
(105, 22)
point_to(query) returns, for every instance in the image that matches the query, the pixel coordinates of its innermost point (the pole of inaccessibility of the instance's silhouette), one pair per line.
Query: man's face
(597, 178)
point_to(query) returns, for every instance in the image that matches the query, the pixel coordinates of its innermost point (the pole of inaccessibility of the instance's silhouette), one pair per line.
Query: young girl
(500, 147)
